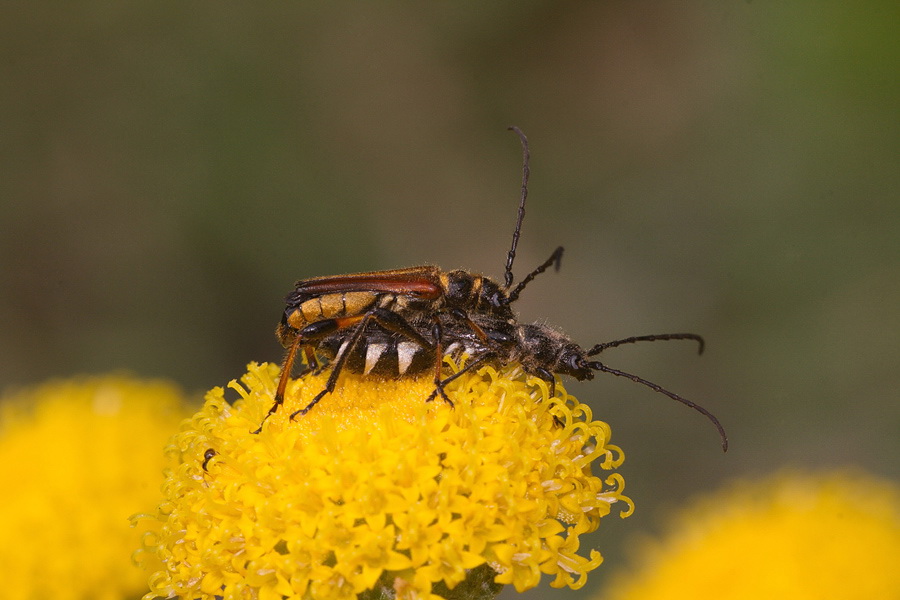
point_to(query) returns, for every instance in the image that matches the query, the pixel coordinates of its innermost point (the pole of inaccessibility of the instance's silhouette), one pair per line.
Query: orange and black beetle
(402, 302)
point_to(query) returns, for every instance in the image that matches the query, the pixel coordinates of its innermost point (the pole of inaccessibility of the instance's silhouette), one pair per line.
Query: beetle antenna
(598, 366)
(649, 338)
(511, 256)
(554, 259)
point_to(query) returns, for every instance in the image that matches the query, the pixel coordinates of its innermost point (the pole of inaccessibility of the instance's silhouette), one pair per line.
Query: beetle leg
(460, 314)
(438, 332)
(338, 364)
(549, 377)
(469, 366)
(310, 353)
(286, 367)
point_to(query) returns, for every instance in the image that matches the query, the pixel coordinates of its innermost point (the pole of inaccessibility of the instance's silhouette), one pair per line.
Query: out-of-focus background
(168, 170)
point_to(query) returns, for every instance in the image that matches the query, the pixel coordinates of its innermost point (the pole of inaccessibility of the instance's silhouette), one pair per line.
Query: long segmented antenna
(511, 256)
(649, 338)
(599, 366)
(554, 260)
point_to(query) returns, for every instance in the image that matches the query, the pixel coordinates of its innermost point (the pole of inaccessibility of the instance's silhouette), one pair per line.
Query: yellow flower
(78, 458)
(375, 489)
(797, 536)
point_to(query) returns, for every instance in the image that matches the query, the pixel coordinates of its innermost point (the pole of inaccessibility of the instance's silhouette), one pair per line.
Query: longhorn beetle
(538, 348)
(544, 352)
(403, 321)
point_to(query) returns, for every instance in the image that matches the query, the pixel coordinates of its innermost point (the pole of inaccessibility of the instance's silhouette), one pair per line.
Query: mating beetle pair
(403, 322)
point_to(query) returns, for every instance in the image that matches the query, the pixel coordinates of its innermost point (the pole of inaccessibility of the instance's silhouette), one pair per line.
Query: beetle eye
(574, 362)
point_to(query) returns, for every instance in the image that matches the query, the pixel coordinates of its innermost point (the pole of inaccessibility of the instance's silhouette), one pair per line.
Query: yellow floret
(376, 489)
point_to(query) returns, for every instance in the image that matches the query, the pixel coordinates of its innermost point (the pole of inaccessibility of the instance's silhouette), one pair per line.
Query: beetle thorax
(469, 292)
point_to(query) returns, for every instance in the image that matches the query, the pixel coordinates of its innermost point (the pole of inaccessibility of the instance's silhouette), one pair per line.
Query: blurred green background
(169, 169)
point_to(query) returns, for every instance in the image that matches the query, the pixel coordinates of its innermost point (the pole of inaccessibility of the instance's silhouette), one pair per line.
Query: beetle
(544, 352)
(402, 322)
(208, 456)
(541, 350)
(403, 302)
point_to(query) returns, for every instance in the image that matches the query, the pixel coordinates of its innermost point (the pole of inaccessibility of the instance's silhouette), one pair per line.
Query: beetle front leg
(286, 367)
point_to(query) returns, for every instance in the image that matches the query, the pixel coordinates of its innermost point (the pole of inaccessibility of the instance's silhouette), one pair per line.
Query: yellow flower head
(78, 458)
(375, 489)
(797, 536)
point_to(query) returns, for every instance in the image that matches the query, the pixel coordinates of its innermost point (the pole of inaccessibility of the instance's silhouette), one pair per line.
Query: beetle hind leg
(286, 367)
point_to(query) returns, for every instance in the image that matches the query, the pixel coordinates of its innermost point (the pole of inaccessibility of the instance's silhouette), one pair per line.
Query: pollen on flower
(375, 489)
